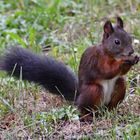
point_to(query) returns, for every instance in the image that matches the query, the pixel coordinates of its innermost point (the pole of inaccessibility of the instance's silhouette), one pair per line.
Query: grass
(66, 28)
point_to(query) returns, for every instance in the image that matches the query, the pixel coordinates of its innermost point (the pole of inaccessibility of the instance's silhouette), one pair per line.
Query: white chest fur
(108, 87)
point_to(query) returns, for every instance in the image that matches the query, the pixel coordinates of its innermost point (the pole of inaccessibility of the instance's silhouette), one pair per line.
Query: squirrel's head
(116, 40)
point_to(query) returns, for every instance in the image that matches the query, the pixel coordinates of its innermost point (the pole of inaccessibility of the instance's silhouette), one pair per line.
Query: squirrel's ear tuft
(119, 22)
(108, 29)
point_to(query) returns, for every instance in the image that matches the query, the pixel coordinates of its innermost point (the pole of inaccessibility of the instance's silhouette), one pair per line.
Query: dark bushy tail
(45, 71)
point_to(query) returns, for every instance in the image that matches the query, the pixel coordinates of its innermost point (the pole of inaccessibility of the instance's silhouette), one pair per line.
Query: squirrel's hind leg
(118, 93)
(90, 98)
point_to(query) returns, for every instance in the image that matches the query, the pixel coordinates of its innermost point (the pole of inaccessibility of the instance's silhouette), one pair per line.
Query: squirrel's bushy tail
(50, 73)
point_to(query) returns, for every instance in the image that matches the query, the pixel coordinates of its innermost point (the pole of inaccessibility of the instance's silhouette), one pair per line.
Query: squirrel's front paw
(136, 59)
(132, 60)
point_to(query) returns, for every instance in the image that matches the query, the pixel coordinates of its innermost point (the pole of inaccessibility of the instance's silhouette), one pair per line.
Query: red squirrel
(101, 70)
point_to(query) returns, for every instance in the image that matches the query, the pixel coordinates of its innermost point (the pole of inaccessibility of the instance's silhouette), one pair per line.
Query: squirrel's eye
(117, 42)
